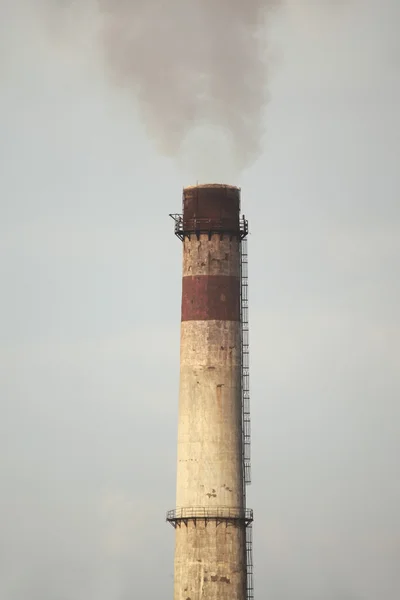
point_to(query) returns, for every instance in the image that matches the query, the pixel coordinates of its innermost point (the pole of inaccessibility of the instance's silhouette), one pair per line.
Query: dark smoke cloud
(187, 64)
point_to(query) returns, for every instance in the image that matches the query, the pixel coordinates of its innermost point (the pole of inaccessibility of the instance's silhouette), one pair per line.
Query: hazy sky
(90, 308)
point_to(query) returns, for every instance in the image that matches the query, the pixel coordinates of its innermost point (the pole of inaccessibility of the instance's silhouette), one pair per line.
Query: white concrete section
(210, 562)
(209, 432)
(211, 257)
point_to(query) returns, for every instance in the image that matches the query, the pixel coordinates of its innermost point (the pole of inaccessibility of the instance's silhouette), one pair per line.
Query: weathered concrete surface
(209, 562)
(209, 431)
(210, 556)
(214, 257)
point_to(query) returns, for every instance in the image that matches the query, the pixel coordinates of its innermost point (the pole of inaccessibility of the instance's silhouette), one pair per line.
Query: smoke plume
(188, 64)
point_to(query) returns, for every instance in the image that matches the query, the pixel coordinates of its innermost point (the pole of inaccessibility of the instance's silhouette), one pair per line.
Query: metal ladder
(244, 318)
(245, 390)
(249, 563)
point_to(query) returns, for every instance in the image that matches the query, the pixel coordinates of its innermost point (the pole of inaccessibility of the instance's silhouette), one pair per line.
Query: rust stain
(219, 399)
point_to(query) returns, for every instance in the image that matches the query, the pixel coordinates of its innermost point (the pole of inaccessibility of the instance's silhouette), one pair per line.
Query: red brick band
(211, 298)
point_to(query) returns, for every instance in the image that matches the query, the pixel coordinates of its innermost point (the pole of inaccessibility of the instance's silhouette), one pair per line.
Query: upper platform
(210, 208)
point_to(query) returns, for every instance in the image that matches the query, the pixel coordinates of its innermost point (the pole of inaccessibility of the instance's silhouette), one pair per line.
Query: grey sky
(90, 303)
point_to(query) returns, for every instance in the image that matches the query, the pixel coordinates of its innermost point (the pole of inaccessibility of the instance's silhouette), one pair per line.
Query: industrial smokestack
(212, 523)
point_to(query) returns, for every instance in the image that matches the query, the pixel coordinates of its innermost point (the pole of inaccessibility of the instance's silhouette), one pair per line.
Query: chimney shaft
(210, 518)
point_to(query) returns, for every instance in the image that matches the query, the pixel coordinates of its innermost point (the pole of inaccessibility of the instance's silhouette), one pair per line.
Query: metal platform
(208, 226)
(210, 513)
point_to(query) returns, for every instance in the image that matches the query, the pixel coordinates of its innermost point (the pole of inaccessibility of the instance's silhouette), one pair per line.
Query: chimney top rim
(211, 186)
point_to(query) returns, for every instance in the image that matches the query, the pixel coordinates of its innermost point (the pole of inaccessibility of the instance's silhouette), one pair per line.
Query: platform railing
(209, 226)
(210, 512)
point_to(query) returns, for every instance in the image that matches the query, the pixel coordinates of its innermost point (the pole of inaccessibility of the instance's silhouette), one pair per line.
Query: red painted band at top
(211, 208)
(210, 298)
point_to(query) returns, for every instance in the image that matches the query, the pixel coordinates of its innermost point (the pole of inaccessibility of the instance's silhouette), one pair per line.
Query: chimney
(213, 558)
